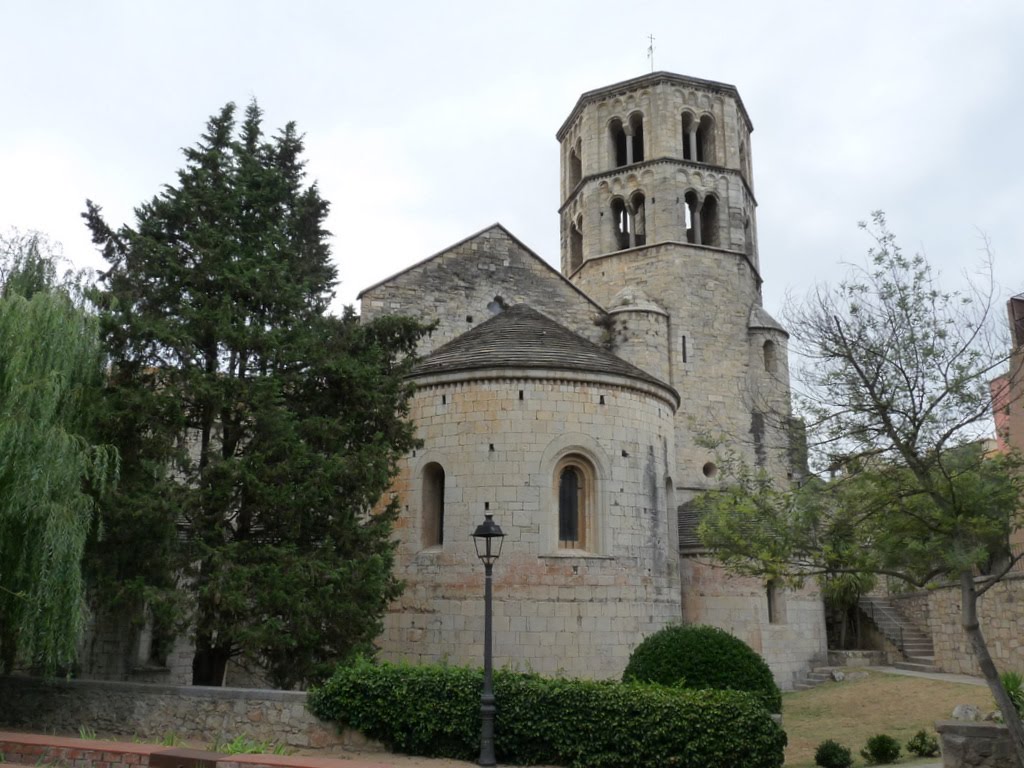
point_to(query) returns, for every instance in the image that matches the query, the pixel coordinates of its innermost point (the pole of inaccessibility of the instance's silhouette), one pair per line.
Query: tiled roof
(689, 519)
(759, 318)
(521, 337)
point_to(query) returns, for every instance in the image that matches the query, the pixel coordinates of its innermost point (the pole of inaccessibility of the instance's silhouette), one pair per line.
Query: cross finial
(650, 50)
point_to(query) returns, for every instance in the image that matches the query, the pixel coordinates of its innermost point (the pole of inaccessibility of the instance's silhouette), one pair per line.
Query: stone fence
(147, 711)
(1000, 610)
(975, 745)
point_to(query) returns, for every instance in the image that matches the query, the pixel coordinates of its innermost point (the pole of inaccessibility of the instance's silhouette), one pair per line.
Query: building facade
(585, 408)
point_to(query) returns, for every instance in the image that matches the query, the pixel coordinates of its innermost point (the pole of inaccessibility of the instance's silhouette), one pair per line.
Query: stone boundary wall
(913, 606)
(1001, 611)
(30, 749)
(155, 711)
(25, 749)
(975, 745)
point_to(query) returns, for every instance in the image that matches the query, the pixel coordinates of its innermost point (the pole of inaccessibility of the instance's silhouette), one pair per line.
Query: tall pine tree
(257, 430)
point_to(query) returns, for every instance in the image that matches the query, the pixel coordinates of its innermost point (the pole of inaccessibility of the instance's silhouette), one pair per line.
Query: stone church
(578, 406)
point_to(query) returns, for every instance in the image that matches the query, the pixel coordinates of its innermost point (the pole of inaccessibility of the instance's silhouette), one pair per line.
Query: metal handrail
(869, 607)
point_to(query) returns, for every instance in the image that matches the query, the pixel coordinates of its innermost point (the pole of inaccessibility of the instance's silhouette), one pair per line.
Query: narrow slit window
(433, 505)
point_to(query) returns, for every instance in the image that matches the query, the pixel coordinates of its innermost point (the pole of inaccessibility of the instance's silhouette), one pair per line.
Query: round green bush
(702, 657)
(923, 744)
(881, 750)
(832, 754)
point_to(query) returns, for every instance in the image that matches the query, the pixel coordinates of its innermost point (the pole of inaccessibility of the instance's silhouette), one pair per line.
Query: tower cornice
(650, 163)
(654, 78)
(625, 252)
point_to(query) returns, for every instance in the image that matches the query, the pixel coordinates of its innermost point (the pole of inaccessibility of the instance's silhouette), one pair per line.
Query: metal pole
(487, 708)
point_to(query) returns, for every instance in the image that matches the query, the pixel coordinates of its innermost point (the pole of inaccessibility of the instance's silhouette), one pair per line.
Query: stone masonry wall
(577, 611)
(154, 711)
(117, 647)
(913, 606)
(790, 642)
(975, 745)
(1001, 611)
(720, 376)
(456, 287)
(641, 337)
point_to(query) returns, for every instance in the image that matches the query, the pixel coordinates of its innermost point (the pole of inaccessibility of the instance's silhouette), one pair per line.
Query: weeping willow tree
(50, 369)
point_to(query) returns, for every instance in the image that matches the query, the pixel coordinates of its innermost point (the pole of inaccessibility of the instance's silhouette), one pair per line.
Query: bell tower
(660, 158)
(658, 225)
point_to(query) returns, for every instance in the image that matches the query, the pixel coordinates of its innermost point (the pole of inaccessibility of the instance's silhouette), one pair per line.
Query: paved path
(944, 677)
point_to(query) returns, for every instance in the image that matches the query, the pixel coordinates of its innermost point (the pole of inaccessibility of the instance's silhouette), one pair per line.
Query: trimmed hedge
(435, 711)
(702, 657)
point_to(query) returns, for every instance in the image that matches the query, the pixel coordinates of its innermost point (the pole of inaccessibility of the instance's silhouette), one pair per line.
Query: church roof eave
(521, 339)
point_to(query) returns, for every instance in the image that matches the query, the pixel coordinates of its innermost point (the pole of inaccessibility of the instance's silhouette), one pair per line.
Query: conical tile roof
(521, 337)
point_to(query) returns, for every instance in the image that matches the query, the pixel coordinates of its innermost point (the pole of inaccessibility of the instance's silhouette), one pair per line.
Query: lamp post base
(487, 710)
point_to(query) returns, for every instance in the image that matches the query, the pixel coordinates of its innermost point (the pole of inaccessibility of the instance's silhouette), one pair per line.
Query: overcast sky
(427, 121)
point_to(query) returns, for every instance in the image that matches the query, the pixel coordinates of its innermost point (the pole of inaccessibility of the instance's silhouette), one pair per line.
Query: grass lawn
(851, 712)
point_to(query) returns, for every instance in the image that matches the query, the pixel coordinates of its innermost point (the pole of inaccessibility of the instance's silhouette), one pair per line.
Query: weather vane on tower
(650, 50)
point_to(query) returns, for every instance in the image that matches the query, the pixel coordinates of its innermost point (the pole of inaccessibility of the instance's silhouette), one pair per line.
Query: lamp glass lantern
(487, 539)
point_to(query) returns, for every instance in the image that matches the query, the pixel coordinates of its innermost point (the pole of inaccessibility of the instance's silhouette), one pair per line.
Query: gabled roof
(521, 337)
(498, 227)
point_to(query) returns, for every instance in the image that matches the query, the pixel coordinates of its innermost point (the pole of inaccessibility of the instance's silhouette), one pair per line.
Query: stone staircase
(850, 664)
(814, 678)
(912, 642)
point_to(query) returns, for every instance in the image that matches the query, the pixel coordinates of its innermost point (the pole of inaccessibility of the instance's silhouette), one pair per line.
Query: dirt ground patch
(850, 712)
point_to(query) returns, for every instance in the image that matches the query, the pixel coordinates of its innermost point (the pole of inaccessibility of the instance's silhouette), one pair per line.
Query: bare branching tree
(895, 380)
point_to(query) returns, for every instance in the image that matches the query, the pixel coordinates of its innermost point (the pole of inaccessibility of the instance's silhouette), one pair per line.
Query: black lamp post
(487, 539)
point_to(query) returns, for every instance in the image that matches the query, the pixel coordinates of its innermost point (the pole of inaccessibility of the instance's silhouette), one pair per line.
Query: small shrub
(881, 750)
(1013, 682)
(435, 711)
(832, 754)
(702, 657)
(923, 744)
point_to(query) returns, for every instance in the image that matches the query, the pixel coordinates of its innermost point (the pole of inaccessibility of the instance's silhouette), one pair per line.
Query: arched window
(709, 221)
(620, 223)
(638, 215)
(636, 125)
(570, 526)
(743, 160)
(689, 137)
(748, 239)
(706, 140)
(575, 245)
(691, 217)
(770, 361)
(575, 167)
(618, 142)
(576, 500)
(776, 600)
(433, 505)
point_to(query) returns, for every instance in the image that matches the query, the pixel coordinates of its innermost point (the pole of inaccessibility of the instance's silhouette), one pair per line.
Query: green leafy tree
(50, 370)
(258, 431)
(896, 397)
